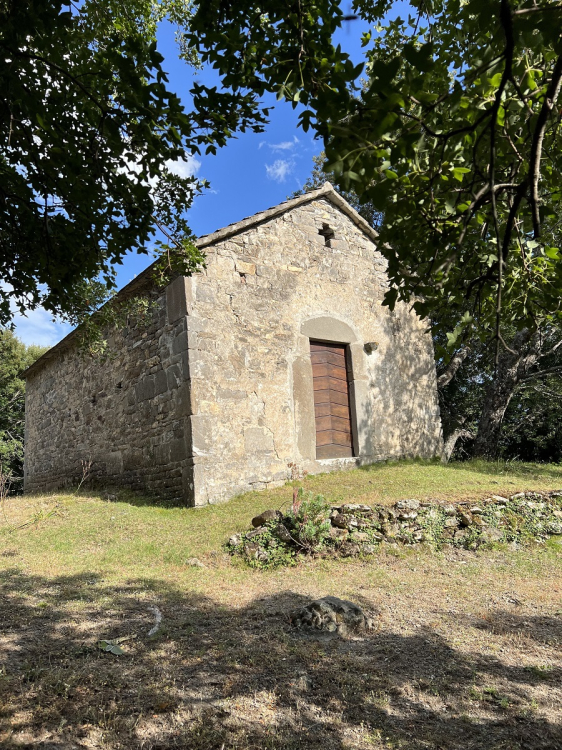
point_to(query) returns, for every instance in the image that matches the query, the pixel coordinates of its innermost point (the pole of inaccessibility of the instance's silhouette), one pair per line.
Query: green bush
(309, 520)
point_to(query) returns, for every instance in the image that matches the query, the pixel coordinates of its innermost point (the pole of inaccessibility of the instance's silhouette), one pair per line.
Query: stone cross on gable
(328, 233)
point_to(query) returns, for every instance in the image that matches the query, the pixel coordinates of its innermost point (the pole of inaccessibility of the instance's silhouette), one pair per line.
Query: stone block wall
(251, 375)
(128, 414)
(215, 396)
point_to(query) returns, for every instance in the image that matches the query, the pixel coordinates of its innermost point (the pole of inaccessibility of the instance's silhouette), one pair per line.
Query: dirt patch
(465, 653)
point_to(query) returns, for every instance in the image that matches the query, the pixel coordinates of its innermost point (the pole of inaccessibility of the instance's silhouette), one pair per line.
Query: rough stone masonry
(218, 395)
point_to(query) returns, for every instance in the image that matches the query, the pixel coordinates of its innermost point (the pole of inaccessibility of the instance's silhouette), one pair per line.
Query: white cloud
(283, 167)
(284, 145)
(279, 170)
(184, 167)
(38, 327)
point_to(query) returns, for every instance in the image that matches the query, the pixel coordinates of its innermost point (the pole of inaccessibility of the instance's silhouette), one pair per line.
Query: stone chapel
(275, 359)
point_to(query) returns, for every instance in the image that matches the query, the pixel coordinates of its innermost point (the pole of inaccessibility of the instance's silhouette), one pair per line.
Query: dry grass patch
(466, 654)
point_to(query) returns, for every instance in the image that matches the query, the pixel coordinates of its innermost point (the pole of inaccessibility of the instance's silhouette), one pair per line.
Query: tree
(532, 427)
(15, 357)
(485, 405)
(89, 134)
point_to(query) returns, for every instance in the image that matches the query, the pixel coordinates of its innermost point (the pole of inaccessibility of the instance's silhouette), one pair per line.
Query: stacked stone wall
(127, 413)
(251, 377)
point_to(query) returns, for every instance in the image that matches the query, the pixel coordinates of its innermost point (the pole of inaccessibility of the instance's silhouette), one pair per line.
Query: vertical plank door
(331, 400)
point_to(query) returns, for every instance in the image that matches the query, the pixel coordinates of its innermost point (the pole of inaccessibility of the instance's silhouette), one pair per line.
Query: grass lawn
(466, 653)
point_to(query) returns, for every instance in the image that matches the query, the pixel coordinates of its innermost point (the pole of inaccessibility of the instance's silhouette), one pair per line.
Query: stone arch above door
(327, 328)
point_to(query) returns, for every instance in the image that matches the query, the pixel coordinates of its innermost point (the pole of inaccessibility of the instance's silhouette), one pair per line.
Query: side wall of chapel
(127, 414)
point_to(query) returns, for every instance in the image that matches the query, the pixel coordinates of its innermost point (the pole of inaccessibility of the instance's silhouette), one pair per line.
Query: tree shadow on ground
(140, 499)
(217, 677)
(509, 469)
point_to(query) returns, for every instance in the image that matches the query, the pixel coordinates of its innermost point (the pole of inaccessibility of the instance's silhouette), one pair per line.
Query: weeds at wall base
(314, 528)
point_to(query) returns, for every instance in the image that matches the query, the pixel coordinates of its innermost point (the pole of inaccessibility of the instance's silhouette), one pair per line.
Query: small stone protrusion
(265, 517)
(331, 615)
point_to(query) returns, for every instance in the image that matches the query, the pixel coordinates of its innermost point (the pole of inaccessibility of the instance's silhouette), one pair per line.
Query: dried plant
(5, 486)
(297, 499)
(86, 464)
(296, 471)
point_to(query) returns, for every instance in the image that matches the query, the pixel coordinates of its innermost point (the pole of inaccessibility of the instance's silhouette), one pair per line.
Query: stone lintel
(327, 328)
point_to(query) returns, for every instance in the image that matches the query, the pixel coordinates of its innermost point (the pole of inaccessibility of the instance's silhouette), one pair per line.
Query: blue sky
(251, 173)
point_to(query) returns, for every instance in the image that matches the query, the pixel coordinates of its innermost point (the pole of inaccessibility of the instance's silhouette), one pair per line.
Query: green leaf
(111, 647)
(459, 172)
(500, 119)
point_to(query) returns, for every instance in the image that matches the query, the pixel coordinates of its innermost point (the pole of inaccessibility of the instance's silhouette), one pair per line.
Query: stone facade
(215, 397)
(127, 415)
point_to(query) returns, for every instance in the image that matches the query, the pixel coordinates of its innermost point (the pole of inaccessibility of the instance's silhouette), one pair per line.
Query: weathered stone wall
(351, 529)
(215, 396)
(263, 291)
(127, 414)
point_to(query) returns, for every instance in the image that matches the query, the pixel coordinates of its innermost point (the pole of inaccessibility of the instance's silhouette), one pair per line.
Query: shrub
(309, 520)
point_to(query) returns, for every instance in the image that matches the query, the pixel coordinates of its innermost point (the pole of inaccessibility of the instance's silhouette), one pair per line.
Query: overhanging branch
(538, 137)
(541, 373)
(453, 367)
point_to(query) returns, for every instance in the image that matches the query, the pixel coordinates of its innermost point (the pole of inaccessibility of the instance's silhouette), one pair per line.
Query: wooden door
(331, 400)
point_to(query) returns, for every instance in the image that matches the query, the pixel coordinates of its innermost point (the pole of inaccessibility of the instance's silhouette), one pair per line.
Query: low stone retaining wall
(314, 527)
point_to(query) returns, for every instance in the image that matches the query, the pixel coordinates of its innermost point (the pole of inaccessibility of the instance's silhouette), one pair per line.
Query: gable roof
(327, 192)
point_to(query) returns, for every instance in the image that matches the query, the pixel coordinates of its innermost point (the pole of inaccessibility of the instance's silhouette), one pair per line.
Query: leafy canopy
(89, 133)
(454, 135)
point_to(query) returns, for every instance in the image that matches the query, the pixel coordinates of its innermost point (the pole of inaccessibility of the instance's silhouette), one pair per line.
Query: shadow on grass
(138, 499)
(238, 677)
(510, 468)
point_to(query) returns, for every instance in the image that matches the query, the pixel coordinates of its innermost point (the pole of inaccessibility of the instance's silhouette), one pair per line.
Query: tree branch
(551, 351)
(451, 133)
(452, 440)
(546, 9)
(453, 367)
(538, 137)
(541, 373)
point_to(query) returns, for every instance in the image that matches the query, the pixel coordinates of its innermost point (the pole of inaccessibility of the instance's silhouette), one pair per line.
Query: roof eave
(326, 191)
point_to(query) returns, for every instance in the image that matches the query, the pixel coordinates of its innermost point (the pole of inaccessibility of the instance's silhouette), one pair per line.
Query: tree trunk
(452, 440)
(497, 398)
(512, 368)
